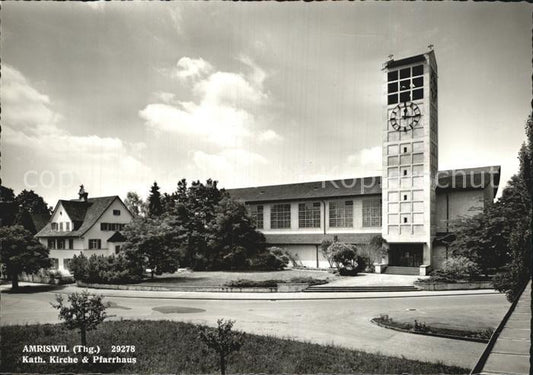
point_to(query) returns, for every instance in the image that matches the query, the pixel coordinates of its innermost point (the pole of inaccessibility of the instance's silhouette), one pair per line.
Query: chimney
(83, 194)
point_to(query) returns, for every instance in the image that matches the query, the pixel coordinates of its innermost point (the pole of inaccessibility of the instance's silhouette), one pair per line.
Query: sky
(118, 95)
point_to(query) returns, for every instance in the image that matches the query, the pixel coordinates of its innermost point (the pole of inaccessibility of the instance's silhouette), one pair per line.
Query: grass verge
(175, 347)
(425, 329)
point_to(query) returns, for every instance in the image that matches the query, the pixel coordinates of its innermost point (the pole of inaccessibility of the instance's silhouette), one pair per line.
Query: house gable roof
(467, 178)
(83, 214)
(116, 237)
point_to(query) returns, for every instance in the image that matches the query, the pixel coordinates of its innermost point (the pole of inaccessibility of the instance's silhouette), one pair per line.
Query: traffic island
(421, 328)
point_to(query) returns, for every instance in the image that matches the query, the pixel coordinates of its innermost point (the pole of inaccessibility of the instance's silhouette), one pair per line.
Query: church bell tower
(410, 164)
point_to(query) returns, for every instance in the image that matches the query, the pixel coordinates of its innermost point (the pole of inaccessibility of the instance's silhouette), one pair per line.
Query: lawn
(174, 347)
(222, 278)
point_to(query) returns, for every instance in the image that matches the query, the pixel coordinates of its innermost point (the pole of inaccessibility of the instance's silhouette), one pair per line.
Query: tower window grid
(405, 84)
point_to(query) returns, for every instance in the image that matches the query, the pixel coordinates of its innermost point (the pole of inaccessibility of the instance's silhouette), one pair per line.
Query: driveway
(344, 322)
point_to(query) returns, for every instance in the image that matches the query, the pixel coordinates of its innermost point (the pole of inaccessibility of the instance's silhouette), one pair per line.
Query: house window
(256, 214)
(67, 225)
(309, 215)
(54, 226)
(280, 216)
(95, 244)
(61, 227)
(117, 249)
(410, 85)
(51, 243)
(371, 213)
(111, 226)
(66, 264)
(341, 214)
(55, 263)
(116, 212)
(71, 243)
(60, 244)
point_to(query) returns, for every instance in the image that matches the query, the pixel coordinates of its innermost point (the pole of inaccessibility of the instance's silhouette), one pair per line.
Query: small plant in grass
(223, 340)
(420, 326)
(85, 312)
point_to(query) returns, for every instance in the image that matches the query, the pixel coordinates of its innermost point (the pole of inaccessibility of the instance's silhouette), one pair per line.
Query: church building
(412, 205)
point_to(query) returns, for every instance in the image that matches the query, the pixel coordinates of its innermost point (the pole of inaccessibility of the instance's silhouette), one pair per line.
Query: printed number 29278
(122, 348)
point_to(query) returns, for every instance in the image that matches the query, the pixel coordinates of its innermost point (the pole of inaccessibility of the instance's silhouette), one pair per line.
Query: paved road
(344, 322)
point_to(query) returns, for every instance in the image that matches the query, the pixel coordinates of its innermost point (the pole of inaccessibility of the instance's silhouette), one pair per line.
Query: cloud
(367, 157)
(366, 162)
(223, 125)
(188, 68)
(224, 109)
(230, 166)
(31, 123)
(258, 75)
(268, 136)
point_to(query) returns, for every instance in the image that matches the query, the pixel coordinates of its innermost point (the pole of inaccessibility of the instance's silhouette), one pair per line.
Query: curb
(462, 338)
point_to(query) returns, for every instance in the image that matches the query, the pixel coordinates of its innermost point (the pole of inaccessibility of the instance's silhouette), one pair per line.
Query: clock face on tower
(405, 116)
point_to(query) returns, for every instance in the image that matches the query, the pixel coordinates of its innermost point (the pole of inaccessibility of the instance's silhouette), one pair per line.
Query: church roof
(467, 178)
(83, 214)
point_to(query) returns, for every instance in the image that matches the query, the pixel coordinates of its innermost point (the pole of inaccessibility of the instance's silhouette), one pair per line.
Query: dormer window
(116, 212)
(54, 226)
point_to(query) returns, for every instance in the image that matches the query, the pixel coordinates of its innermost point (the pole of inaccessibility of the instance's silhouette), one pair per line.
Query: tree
(192, 211)
(85, 313)
(32, 211)
(373, 251)
(232, 237)
(155, 207)
(519, 192)
(135, 204)
(223, 340)
(32, 202)
(8, 206)
(152, 242)
(21, 252)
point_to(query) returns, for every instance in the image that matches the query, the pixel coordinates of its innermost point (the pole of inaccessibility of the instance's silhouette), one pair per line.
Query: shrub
(308, 280)
(113, 269)
(54, 275)
(344, 256)
(272, 260)
(325, 250)
(245, 283)
(362, 263)
(455, 269)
